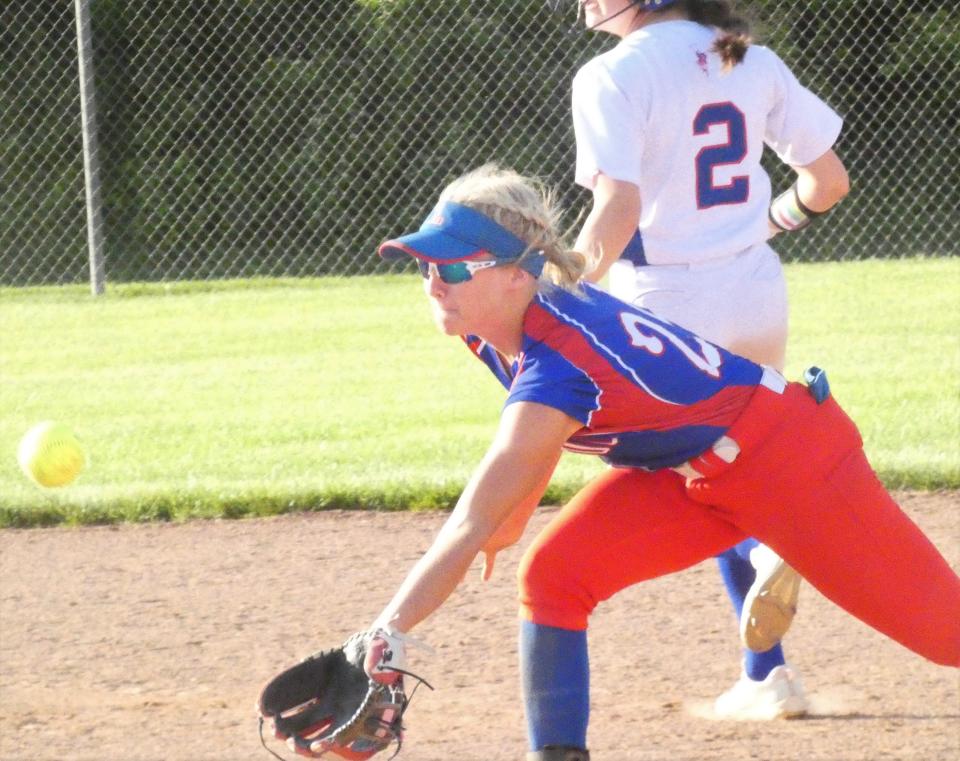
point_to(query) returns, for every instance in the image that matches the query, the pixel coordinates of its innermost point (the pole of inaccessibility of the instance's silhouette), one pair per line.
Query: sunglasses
(457, 272)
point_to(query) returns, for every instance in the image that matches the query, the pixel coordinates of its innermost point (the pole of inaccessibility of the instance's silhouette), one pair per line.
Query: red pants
(801, 485)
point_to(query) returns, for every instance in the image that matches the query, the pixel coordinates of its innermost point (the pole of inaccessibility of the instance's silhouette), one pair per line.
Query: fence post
(91, 161)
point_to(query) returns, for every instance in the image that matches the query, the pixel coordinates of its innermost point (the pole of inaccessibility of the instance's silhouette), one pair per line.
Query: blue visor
(452, 233)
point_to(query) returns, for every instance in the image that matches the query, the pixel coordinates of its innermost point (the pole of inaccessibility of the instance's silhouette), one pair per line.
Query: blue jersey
(649, 393)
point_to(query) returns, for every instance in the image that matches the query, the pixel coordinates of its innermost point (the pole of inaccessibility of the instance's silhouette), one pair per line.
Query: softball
(50, 454)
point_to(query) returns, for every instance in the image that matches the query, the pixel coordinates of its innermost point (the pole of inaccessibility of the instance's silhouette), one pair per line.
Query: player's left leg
(624, 527)
(767, 687)
(807, 489)
(752, 573)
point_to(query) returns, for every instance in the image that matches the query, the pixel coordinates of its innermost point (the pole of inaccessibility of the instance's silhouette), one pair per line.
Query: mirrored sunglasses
(457, 272)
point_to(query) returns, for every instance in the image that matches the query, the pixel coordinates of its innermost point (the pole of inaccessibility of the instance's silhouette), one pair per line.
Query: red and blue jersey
(649, 393)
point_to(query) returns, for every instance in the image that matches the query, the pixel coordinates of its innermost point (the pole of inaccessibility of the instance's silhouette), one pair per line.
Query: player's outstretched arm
(513, 473)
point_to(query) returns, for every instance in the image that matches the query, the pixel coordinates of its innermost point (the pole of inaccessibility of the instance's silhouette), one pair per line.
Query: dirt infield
(150, 643)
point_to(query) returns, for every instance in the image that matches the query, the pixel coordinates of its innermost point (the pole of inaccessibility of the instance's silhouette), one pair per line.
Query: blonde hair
(525, 207)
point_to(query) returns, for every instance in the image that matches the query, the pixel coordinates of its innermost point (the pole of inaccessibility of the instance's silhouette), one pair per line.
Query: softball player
(708, 448)
(670, 128)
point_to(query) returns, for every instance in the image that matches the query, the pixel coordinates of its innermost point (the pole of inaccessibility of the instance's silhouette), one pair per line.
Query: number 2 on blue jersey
(708, 360)
(733, 151)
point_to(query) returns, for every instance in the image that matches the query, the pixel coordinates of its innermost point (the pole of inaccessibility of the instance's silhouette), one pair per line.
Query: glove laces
(384, 724)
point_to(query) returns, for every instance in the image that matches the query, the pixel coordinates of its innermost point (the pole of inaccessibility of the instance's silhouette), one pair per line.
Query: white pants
(739, 303)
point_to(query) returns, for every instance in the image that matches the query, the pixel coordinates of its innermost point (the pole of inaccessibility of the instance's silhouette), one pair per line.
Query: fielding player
(670, 127)
(707, 448)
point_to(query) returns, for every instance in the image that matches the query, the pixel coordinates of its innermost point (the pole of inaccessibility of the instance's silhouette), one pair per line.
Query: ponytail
(734, 38)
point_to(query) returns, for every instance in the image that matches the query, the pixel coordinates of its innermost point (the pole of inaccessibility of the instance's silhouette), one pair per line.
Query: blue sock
(738, 575)
(555, 671)
(759, 665)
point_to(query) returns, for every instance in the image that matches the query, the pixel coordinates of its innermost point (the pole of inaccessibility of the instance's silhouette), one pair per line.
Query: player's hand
(489, 556)
(507, 535)
(772, 230)
(385, 653)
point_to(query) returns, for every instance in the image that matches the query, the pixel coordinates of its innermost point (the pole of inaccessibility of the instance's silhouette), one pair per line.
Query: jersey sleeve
(607, 128)
(801, 127)
(549, 379)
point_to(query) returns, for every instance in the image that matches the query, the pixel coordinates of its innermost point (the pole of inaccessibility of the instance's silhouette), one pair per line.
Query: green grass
(888, 333)
(266, 396)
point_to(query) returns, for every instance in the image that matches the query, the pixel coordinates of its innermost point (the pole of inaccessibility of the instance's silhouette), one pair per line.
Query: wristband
(789, 213)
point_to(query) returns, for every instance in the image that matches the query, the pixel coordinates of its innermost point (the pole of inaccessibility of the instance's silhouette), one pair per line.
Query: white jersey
(658, 111)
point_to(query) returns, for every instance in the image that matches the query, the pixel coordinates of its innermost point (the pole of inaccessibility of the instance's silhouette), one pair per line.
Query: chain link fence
(242, 138)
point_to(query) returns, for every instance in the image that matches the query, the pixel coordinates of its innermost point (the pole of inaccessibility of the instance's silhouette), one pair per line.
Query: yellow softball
(50, 454)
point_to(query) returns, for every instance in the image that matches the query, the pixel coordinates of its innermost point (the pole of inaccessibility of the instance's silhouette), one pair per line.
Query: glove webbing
(403, 710)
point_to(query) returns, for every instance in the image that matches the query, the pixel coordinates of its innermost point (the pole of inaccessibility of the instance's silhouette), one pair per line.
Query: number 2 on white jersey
(708, 361)
(733, 151)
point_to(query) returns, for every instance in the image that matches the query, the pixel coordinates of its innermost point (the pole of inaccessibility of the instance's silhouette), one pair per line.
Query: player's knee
(551, 591)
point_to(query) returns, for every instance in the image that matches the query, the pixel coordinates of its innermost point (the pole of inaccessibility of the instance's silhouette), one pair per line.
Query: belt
(725, 450)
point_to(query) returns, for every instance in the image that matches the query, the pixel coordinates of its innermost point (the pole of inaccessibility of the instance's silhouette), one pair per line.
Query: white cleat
(771, 603)
(779, 696)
